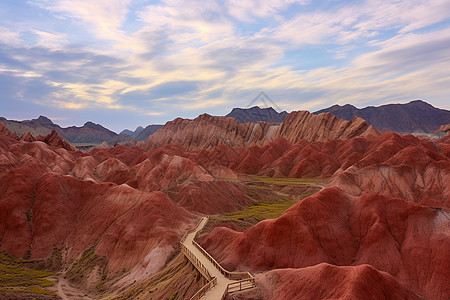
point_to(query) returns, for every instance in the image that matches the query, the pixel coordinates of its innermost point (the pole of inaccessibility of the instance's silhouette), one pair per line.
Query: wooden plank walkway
(202, 260)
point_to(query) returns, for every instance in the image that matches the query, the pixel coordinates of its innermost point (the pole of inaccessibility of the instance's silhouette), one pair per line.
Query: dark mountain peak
(98, 127)
(419, 103)
(43, 126)
(347, 106)
(255, 108)
(268, 109)
(134, 133)
(90, 124)
(146, 132)
(43, 121)
(126, 131)
(257, 114)
(337, 107)
(415, 116)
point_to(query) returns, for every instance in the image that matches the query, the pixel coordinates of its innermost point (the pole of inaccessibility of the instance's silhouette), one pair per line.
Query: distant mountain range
(413, 117)
(257, 114)
(132, 133)
(141, 133)
(88, 133)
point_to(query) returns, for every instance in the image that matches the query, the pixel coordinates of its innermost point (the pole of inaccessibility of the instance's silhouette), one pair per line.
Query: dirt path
(68, 292)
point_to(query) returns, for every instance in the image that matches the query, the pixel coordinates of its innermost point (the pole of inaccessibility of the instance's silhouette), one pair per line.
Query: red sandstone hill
(325, 281)
(302, 125)
(27, 137)
(114, 201)
(444, 128)
(42, 209)
(55, 140)
(207, 132)
(406, 240)
(40, 212)
(405, 166)
(6, 132)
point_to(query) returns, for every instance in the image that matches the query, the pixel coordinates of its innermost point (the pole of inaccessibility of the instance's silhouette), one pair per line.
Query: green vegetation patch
(32, 289)
(174, 295)
(84, 264)
(274, 196)
(16, 278)
(288, 181)
(89, 270)
(54, 262)
(262, 210)
(29, 214)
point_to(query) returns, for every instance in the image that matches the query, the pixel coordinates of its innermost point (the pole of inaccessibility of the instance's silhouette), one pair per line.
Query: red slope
(122, 223)
(55, 140)
(42, 208)
(408, 241)
(208, 132)
(402, 166)
(325, 281)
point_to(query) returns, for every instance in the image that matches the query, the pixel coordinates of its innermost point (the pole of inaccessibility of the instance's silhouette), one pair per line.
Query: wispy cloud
(103, 17)
(9, 36)
(52, 40)
(247, 11)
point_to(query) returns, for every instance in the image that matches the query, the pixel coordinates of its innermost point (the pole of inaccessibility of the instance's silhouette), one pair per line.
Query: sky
(125, 63)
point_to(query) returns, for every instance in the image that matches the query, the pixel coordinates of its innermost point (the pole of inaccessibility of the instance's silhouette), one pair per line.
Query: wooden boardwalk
(220, 281)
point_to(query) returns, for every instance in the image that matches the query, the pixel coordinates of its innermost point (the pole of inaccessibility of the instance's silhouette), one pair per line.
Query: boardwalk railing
(245, 280)
(197, 264)
(240, 285)
(190, 231)
(201, 292)
(228, 274)
(212, 281)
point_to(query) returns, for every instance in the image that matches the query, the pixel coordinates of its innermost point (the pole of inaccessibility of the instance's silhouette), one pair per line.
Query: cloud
(409, 52)
(246, 11)
(188, 22)
(104, 17)
(9, 36)
(406, 15)
(161, 92)
(355, 22)
(67, 78)
(407, 67)
(49, 39)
